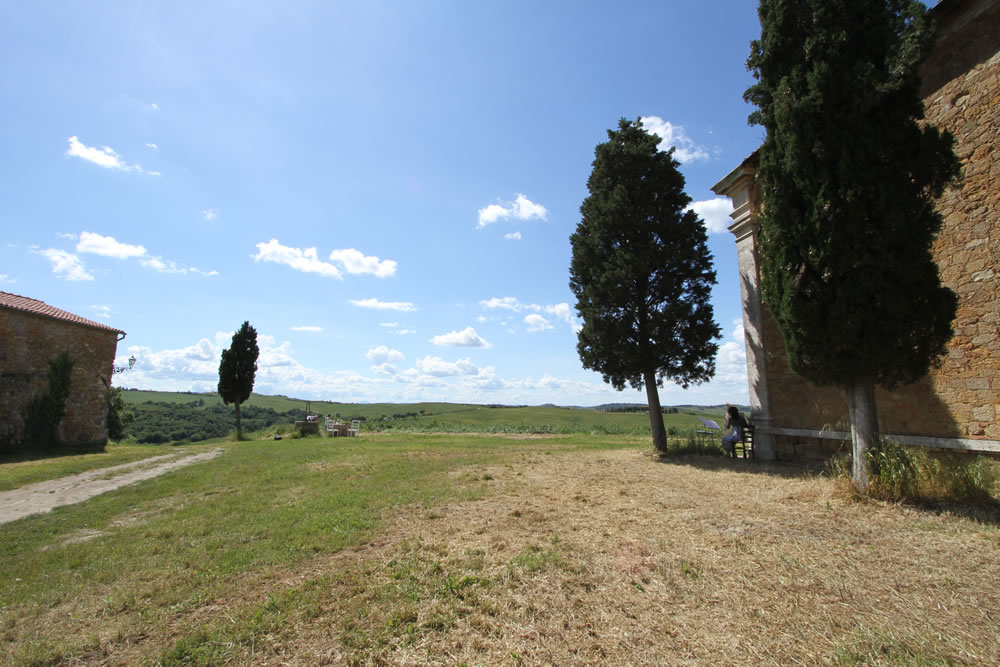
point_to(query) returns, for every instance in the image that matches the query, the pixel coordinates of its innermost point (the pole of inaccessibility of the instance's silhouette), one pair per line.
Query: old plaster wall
(28, 342)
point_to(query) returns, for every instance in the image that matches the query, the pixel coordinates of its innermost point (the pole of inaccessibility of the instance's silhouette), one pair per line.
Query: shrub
(900, 473)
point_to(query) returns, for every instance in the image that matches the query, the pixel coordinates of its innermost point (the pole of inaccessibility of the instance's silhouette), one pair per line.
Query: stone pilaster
(740, 186)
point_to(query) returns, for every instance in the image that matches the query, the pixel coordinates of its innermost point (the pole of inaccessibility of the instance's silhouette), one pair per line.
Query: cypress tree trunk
(864, 427)
(239, 428)
(655, 413)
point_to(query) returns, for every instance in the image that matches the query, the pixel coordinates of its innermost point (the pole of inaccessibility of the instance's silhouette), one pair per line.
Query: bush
(900, 473)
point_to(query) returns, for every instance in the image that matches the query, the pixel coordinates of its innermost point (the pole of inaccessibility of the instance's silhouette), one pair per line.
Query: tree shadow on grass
(985, 512)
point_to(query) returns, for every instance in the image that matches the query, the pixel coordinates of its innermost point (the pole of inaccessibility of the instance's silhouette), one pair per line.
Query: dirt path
(43, 496)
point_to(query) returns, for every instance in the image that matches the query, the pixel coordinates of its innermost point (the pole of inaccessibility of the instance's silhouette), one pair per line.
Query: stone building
(956, 406)
(33, 333)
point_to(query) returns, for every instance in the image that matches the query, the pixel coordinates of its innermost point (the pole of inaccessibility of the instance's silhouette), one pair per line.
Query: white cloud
(521, 208)
(107, 246)
(404, 332)
(513, 236)
(731, 360)
(715, 213)
(102, 311)
(536, 322)
(389, 324)
(382, 354)
(355, 262)
(66, 265)
(492, 213)
(3, 278)
(68, 237)
(105, 156)
(308, 329)
(167, 266)
(152, 145)
(465, 338)
(305, 260)
(209, 214)
(401, 306)
(561, 311)
(508, 302)
(673, 136)
(384, 369)
(438, 367)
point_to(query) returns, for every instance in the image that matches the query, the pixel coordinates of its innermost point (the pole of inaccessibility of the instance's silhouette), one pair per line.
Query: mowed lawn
(390, 549)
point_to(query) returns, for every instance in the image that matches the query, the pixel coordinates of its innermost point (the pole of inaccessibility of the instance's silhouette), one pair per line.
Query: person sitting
(735, 423)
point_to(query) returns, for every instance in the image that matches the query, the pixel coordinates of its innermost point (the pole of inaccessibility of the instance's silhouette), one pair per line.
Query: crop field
(397, 548)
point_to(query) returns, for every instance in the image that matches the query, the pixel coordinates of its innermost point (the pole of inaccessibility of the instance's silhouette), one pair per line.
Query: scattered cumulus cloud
(209, 214)
(305, 260)
(438, 367)
(356, 262)
(375, 304)
(560, 311)
(513, 236)
(68, 237)
(521, 208)
(674, 136)
(71, 267)
(715, 213)
(536, 322)
(107, 246)
(731, 360)
(405, 332)
(152, 145)
(102, 311)
(105, 156)
(382, 354)
(465, 338)
(384, 369)
(308, 329)
(66, 265)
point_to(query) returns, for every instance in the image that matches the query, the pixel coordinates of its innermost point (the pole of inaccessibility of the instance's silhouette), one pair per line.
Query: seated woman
(735, 423)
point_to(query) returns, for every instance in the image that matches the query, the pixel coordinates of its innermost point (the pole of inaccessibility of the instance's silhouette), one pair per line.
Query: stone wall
(28, 343)
(958, 403)
(962, 95)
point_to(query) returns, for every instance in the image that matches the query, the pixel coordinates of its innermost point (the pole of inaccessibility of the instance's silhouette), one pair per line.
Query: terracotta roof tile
(36, 307)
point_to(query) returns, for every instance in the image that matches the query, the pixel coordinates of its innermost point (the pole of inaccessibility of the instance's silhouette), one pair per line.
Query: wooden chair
(745, 443)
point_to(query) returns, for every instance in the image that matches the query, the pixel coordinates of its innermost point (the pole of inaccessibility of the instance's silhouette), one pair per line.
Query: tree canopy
(642, 273)
(238, 370)
(849, 174)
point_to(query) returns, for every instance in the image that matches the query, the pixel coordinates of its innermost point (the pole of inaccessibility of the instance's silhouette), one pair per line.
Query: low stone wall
(28, 343)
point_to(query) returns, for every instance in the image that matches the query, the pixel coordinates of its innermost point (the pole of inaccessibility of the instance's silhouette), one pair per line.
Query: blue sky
(385, 190)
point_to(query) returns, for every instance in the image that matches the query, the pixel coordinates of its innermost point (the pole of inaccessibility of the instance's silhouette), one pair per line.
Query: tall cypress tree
(238, 369)
(849, 175)
(642, 273)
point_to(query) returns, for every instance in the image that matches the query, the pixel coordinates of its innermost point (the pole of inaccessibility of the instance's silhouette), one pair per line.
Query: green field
(444, 417)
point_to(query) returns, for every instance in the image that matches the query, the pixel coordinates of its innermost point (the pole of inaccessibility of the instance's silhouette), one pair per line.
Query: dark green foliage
(849, 177)
(119, 414)
(46, 409)
(641, 271)
(156, 422)
(237, 370)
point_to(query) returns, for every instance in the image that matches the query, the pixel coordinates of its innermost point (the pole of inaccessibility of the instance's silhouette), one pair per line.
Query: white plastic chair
(355, 428)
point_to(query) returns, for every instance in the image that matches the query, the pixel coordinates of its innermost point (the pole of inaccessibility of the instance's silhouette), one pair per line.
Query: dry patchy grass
(611, 557)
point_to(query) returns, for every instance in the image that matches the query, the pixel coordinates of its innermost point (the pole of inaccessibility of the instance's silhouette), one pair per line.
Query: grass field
(484, 549)
(458, 417)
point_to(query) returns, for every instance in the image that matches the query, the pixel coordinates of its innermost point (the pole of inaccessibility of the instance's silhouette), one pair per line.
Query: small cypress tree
(642, 273)
(849, 174)
(238, 369)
